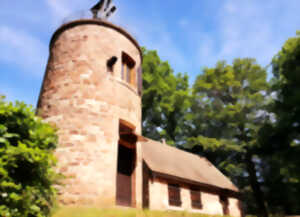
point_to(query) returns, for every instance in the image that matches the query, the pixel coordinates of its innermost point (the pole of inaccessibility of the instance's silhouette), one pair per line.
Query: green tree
(286, 71)
(26, 162)
(282, 136)
(228, 110)
(165, 100)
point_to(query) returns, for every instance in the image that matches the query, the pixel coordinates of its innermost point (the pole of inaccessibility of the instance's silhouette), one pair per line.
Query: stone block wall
(86, 103)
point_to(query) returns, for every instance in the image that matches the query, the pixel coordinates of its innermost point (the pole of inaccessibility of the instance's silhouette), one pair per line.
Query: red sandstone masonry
(86, 103)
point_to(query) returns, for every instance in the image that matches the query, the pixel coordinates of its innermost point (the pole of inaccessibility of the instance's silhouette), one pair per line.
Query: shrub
(26, 162)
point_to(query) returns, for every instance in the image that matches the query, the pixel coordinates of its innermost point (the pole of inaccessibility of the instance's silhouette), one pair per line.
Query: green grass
(97, 212)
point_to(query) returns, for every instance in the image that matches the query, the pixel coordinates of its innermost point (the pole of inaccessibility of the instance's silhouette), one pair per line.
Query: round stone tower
(92, 93)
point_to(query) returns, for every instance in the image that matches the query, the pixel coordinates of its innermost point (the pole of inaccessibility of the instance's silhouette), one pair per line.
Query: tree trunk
(258, 194)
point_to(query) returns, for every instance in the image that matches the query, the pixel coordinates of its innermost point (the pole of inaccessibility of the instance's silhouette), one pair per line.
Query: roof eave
(204, 186)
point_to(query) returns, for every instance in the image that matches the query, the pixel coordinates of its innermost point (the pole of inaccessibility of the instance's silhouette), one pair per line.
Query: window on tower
(110, 64)
(128, 73)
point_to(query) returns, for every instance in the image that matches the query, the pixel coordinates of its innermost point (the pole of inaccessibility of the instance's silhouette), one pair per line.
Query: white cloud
(246, 32)
(20, 48)
(250, 28)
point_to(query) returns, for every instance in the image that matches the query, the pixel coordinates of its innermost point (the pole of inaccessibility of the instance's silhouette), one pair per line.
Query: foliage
(26, 161)
(228, 110)
(281, 137)
(228, 105)
(165, 99)
(286, 70)
(247, 127)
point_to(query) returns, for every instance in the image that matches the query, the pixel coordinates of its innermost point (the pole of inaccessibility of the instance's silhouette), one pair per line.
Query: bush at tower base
(27, 176)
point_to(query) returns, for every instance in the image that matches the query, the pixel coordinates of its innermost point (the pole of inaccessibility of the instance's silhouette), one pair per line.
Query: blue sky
(189, 34)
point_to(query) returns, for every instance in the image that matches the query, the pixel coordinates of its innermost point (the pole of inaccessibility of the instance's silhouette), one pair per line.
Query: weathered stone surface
(86, 103)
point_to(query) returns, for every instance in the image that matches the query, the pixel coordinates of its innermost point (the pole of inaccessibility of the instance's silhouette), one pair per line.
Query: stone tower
(92, 93)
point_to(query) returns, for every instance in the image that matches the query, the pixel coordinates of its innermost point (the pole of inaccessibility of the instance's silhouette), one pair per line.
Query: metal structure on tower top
(103, 9)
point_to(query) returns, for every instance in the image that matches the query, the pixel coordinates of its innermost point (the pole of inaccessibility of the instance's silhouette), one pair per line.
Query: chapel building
(92, 92)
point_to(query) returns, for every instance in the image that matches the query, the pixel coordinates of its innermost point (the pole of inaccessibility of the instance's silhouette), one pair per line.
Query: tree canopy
(228, 111)
(165, 99)
(244, 124)
(281, 136)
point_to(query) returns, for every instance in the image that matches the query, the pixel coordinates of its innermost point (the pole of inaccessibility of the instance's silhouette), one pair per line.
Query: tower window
(128, 71)
(110, 64)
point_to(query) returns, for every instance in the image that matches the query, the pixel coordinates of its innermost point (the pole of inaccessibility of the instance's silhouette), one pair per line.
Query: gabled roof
(171, 161)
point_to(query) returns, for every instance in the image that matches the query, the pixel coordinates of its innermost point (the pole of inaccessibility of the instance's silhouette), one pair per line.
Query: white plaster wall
(139, 175)
(158, 200)
(234, 207)
(158, 195)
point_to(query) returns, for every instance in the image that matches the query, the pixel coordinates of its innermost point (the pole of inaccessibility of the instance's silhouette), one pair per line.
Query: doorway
(126, 167)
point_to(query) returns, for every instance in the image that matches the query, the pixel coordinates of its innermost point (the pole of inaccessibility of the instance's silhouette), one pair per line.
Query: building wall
(234, 207)
(158, 200)
(139, 176)
(86, 103)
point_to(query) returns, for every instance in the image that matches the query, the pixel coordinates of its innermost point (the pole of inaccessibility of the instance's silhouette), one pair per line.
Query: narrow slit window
(174, 195)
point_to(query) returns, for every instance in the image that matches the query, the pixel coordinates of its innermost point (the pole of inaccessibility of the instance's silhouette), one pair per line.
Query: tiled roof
(171, 161)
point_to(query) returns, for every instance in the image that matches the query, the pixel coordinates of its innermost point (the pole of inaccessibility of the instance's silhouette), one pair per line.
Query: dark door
(124, 175)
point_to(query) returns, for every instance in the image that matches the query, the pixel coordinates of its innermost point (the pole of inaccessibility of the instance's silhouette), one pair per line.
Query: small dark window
(110, 69)
(174, 195)
(196, 198)
(110, 64)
